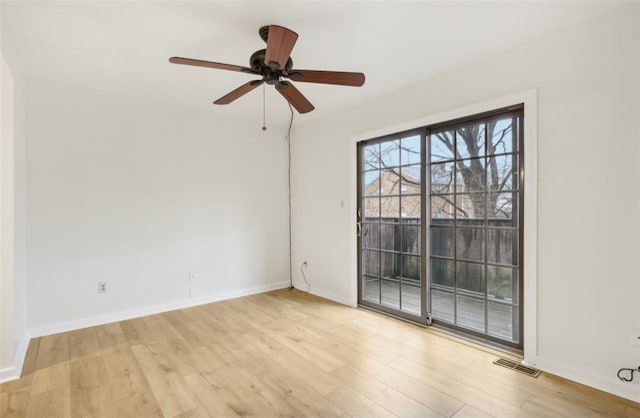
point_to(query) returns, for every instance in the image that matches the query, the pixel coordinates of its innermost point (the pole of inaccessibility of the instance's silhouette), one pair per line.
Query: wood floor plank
(467, 394)
(198, 412)
(186, 360)
(557, 406)
(54, 403)
(216, 396)
(304, 346)
(90, 392)
(282, 386)
(50, 378)
(169, 387)
(109, 336)
(52, 350)
(124, 373)
(282, 357)
(356, 405)
(191, 325)
(429, 396)
(83, 342)
(136, 331)
(14, 404)
(246, 386)
(138, 400)
(288, 354)
(468, 411)
(398, 403)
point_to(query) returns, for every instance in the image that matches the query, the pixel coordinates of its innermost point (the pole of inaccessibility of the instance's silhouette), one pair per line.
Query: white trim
(530, 101)
(299, 285)
(150, 310)
(13, 373)
(610, 385)
(8, 374)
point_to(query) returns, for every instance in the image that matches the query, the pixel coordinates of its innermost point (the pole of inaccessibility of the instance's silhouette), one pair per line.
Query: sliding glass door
(390, 224)
(440, 225)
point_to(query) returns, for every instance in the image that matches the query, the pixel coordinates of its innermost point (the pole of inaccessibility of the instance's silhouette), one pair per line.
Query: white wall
(7, 366)
(587, 77)
(138, 195)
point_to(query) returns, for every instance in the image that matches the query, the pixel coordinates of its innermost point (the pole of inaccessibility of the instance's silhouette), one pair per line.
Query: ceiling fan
(274, 63)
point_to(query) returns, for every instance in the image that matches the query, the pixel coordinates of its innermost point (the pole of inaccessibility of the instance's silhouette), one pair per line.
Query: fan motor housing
(270, 76)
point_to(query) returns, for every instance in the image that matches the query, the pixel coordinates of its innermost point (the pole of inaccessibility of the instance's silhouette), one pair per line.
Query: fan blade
(293, 96)
(280, 42)
(327, 77)
(239, 92)
(209, 64)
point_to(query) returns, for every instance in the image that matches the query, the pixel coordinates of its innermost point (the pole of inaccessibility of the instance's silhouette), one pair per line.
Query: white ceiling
(124, 46)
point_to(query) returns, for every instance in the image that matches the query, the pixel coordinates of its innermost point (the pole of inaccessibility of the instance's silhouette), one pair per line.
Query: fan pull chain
(264, 109)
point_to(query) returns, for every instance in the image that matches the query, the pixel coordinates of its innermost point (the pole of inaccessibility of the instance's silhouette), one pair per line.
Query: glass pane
(470, 141)
(470, 244)
(471, 207)
(411, 269)
(502, 173)
(390, 154)
(371, 184)
(371, 289)
(390, 237)
(390, 207)
(390, 266)
(370, 235)
(410, 179)
(442, 209)
(371, 157)
(502, 283)
(410, 150)
(441, 146)
(390, 182)
(470, 312)
(390, 293)
(410, 208)
(470, 176)
(411, 239)
(442, 305)
(501, 138)
(371, 208)
(442, 241)
(442, 178)
(442, 272)
(503, 321)
(470, 277)
(500, 206)
(411, 297)
(370, 263)
(502, 246)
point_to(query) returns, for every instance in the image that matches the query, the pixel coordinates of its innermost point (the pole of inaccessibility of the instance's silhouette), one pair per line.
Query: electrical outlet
(192, 277)
(635, 336)
(102, 287)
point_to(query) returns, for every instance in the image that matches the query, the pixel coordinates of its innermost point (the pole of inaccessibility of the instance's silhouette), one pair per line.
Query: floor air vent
(529, 371)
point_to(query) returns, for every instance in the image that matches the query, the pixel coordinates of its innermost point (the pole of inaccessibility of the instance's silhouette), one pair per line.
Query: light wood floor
(283, 353)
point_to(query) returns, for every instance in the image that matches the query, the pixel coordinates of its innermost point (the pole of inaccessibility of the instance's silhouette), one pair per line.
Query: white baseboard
(13, 373)
(8, 374)
(627, 390)
(150, 310)
(314, 290)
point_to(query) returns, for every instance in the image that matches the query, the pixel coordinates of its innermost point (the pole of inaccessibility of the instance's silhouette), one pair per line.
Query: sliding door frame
(423, 317)
(528, 239)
